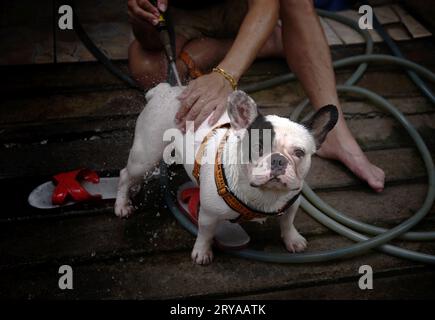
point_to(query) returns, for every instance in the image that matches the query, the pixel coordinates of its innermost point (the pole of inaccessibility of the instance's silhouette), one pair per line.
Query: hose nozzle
(165, 39)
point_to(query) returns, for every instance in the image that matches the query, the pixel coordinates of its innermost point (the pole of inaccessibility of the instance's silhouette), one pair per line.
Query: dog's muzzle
(278, 164)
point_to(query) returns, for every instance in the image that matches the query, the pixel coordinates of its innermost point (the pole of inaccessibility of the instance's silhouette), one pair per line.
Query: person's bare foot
(341, 145)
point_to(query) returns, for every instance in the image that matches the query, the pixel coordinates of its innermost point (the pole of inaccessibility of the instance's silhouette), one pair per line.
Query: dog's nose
(278, 164)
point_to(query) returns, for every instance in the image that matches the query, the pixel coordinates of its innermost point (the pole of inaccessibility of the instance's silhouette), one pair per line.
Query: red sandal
(69, 187)
(77, 186)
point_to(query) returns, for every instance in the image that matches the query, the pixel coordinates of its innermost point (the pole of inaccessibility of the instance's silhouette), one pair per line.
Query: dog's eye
(299, 153)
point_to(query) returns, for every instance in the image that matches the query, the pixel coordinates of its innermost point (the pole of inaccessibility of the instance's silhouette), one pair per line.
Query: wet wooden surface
(31, 36)
(60, 117)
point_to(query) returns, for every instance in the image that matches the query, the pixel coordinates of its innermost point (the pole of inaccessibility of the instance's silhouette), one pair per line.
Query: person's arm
(209, 93)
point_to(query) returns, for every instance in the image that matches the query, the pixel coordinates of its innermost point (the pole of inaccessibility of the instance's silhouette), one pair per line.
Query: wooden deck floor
(59, 117)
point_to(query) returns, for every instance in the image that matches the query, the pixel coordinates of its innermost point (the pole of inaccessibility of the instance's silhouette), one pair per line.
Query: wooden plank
(361, 109)
(391, 83)
(31, 80)
(120, 114)
(91, 238)
(386, 15)
(413, 26)
(385, 132)
(46, 157)
(100, 236)
(63, 77)
(331, 36)
(398, 32)
(406, 285)
(423, 11)
(345, 33)
(387, 83)
(164, 276)
(355, 16)
(408, 106)
(66, 130)
(95, 149)
(64, 106)
(418, 50)
(120, 102)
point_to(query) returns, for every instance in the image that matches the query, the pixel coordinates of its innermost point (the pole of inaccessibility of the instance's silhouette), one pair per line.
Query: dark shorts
(215, 21)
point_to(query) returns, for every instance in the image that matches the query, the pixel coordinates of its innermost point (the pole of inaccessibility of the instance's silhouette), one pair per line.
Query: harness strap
(201, 150)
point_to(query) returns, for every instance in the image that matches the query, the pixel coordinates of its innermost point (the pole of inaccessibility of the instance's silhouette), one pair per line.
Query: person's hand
(203, 95)
(144, 10)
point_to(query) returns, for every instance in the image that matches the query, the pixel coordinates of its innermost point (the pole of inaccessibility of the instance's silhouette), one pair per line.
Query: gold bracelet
(227, 76)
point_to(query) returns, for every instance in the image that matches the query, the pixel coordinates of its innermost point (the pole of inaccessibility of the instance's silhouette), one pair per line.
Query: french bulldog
(265, 180)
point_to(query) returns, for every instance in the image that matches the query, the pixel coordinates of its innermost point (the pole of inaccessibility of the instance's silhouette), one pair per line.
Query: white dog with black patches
(265, 181)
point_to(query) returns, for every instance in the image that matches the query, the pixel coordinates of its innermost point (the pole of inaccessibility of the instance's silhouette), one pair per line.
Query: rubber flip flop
(229, 236)
(68, 188)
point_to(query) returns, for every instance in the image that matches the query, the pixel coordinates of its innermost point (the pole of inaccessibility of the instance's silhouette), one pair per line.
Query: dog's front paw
(123, 208)
(202, 254)
(294, 241)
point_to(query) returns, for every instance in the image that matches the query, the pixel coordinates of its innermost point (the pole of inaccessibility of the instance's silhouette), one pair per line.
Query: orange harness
(246, 213)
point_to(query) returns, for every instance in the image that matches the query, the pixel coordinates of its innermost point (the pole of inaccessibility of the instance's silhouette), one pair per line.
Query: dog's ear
(321, 123)
(242, 110)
